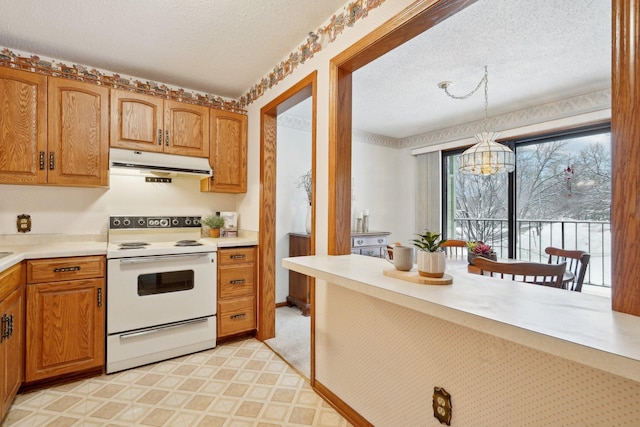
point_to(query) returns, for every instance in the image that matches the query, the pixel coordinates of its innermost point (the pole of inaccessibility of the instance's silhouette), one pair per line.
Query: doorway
(268, 257)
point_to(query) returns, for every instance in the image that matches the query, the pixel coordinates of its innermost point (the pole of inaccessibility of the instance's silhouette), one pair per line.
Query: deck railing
(533, 236)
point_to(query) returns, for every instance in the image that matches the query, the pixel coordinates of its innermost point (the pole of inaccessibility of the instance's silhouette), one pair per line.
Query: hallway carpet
(292, 341)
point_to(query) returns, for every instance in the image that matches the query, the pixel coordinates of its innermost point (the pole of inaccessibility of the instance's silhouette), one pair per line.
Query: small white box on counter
(230, 228)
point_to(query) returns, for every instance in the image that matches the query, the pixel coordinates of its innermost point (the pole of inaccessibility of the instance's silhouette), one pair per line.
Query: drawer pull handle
(159, 136)
(99, 297)
(166, 141)
(66, 269)
(239, 316)
(52, 160)
(5, 328)
(237, 282)
(42, 160)
(238, 256)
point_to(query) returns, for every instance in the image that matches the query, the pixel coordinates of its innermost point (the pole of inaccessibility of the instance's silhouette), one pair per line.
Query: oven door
(157, 290)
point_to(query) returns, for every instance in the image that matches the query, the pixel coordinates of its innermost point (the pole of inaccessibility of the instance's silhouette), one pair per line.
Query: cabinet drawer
(236, 316)
(374, 251)
(230, 256)
(368, 241)
(58, 269)
(235, 281)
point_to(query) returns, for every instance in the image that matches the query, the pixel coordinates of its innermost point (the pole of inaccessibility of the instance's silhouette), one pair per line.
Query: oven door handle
(156, 258)
(163, 328)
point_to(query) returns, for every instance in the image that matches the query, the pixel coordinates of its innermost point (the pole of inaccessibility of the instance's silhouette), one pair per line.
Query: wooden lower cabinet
(12, 283)
(65, 316)
(236, 290)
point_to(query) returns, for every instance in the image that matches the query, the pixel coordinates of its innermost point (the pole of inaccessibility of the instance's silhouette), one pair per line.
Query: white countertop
(50, 250)
(572, 325)
(55, 246)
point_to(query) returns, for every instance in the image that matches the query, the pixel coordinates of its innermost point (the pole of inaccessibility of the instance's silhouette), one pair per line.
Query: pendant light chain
(486, 99)
(485, 80)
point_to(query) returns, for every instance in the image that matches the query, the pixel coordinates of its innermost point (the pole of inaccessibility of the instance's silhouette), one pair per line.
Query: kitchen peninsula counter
(577, 327)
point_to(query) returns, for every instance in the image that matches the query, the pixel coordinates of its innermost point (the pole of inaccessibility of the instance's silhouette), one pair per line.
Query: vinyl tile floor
(239, 384)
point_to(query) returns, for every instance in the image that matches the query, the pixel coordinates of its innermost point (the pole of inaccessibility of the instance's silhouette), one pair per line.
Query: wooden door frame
(305, 88)
(412, 21)
(625, 130)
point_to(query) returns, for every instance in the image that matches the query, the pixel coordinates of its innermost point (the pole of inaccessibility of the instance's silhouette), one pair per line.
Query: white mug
(402, 257)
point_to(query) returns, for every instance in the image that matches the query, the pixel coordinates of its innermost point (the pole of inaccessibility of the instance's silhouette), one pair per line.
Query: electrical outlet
(442, 405)
(24, 223)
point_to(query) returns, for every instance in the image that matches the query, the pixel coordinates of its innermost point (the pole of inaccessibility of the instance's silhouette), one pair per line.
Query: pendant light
(486, 157)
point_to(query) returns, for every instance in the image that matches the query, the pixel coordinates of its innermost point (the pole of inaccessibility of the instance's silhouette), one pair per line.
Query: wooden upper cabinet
(78, 136)
(186, 129)
(23, 126)
(228, 153)
(147, 123)
(136, 121)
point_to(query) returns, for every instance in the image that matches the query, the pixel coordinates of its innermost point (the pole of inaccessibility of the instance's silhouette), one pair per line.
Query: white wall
(72, 210)
(384, 183)
(293, 160)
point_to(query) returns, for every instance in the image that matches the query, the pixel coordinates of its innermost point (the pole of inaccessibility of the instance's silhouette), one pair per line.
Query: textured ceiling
(537, 51)
(221, 47)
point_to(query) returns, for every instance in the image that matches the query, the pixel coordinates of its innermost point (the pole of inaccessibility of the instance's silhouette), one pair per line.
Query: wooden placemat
(415, 277)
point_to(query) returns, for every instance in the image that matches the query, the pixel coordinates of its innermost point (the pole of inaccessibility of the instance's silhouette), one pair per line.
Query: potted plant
(431, 257)
(215, 223)
(479, 249)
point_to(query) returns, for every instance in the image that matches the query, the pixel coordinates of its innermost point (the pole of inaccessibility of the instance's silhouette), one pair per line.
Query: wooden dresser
(370, 244)
(299, 284)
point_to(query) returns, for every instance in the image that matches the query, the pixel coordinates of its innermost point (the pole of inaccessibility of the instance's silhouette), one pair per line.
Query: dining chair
(455, 248)
(529, 272)
(577, 262)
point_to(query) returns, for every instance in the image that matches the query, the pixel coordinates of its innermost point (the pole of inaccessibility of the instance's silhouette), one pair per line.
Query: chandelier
(486, 157)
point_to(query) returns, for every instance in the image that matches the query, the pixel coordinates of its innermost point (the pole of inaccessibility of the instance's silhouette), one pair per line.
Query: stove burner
(188, 243)
(132, 245)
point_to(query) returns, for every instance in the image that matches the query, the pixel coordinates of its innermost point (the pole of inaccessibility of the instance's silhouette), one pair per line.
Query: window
(559, 195)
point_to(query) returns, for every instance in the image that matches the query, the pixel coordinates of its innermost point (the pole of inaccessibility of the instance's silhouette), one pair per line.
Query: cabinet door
(136, 121)
(65, 328)
(23, 127)
(186, 129)
(228, 154)
(12, 347)
(78, 140)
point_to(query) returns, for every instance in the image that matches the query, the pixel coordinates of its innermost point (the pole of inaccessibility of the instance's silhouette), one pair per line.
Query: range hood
(158, 163)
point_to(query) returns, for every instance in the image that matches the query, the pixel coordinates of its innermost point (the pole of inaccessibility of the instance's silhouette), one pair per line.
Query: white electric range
(161, 290)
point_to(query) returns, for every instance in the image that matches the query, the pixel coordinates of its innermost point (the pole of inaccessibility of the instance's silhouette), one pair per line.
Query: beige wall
(384, 360)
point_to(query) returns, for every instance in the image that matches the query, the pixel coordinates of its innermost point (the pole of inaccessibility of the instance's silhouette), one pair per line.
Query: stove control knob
(187, 221)
(116, 222)
(164, 222)
(126, 222)
(141, 222)
(175, 221)
(196, 221)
